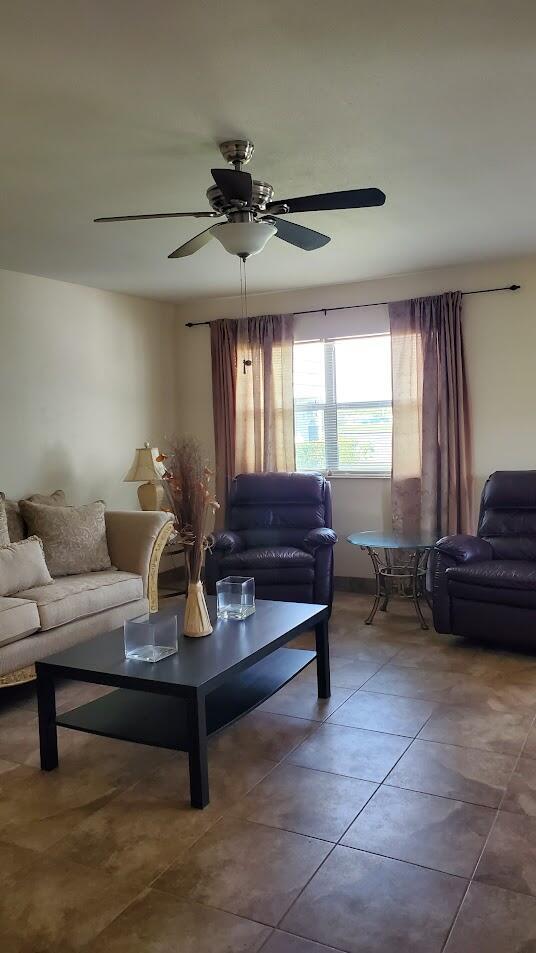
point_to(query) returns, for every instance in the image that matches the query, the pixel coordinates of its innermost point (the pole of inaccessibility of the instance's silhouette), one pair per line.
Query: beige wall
(85, 377)
(500, 337)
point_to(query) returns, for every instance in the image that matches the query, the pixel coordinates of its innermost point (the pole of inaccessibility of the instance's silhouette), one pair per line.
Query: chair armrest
(465, 549)
(225, 541)
(322, 536)
(136, 540)
(449, 552)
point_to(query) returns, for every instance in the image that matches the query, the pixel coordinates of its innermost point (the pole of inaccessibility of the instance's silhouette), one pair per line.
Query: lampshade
(145, 466)
(243, 238)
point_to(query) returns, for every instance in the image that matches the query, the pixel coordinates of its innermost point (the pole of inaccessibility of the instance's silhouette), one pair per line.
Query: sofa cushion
(74, 537)
(23, 566)
(274, 557)
(499, 573)
(4, 534)
(75, 597)
(18, 618)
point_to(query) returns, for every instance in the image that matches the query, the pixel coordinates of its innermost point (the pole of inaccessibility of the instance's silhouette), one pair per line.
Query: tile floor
(399, 816)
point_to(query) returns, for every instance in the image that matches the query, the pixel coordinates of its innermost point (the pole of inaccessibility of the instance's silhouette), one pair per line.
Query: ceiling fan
(252, 215)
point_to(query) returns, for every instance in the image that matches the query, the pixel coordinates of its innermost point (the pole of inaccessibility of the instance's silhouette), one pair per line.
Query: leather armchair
(279, 533)
(484, 586)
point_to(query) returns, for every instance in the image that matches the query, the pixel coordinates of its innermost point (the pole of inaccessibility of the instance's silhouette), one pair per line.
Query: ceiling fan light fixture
(244, 238)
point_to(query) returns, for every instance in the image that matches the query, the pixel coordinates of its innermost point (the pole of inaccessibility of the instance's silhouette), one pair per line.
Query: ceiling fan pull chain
(241, 290)
(245, 289)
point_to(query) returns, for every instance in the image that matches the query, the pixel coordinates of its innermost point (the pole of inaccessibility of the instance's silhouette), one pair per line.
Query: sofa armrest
(465, 549)
(225, 541)
(322, 536)
(136, 540)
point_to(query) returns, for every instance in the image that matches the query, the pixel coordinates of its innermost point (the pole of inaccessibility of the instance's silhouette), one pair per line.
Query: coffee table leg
(198, 755)
(322, 660)
(46, 707)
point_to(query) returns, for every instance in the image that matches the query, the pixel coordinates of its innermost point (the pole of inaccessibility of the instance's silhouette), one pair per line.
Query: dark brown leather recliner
(484, 586)
(279, 533)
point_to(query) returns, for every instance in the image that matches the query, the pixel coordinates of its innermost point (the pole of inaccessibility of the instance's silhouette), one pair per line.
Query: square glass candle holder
(152, 637)
(236, 597)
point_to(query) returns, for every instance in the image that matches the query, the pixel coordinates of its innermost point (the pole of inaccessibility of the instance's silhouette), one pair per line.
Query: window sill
(349, 475)
(358, 476)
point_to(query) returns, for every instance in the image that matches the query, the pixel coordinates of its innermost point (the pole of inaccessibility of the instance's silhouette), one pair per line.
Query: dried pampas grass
(186, 483)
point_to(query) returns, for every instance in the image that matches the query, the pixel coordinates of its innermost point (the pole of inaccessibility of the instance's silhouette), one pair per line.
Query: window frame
(330, 407)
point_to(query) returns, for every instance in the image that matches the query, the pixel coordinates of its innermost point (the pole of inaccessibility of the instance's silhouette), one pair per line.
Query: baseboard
(355, 584)
(170, 577)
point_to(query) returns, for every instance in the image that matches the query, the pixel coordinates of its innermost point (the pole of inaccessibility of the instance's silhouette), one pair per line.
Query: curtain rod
(373, 304)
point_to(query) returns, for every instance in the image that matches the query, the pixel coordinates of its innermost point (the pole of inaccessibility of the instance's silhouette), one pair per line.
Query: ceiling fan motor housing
(262, 193)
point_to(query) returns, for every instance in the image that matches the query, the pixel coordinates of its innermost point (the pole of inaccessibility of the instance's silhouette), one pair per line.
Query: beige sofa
(38, 622)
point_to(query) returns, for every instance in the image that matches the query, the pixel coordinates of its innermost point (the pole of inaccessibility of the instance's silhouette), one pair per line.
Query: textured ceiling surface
(117, 106)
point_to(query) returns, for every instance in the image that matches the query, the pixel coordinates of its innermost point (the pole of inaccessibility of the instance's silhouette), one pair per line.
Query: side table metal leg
(46, 709)
(387, 583)
(197, 752)
(415, 589)
(322, 660)
(377, 598)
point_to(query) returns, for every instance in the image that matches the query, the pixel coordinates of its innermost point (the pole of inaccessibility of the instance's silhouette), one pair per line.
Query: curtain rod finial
(514, 287)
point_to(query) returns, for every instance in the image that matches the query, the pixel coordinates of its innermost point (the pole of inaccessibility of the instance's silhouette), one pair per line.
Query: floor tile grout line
(402, 860)
(380, 784)
(300, 936)
(492, 827)
(453, 744)
(297, 897)
(444, 797)
(451, 704)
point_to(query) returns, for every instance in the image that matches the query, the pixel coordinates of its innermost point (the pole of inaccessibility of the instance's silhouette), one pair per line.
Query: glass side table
(391, 569)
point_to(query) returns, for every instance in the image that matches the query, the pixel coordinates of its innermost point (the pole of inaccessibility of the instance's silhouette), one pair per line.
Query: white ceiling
(116, 106)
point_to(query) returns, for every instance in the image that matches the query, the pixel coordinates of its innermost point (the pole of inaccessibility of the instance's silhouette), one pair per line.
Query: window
(342, 405)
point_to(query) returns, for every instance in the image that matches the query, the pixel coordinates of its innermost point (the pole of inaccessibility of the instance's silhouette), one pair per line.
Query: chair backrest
(508, 514)
(270, 509)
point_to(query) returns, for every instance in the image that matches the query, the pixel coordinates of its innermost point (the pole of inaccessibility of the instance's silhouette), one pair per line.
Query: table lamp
(148, 472)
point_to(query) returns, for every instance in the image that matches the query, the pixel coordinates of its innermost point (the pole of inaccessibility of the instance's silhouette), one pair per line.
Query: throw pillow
(4, 534)
(73, 537)
(15, 522)
(57, 498)
(23, 566)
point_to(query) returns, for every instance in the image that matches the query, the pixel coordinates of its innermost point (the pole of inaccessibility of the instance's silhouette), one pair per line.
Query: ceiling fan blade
(234, 184)
(193, 245)
(297, 235)
(137, 218)
(328, 201)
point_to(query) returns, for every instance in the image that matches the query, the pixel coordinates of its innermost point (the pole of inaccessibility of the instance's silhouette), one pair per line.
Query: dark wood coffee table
(178, 702)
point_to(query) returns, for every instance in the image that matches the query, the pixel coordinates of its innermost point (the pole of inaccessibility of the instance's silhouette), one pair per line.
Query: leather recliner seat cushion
(273, 557)
(283, 592)
(510, 582)
(76, 597)
(276, 576)
(18, 618)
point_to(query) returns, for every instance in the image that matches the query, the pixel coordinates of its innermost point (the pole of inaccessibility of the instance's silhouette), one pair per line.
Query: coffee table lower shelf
(160, 720)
